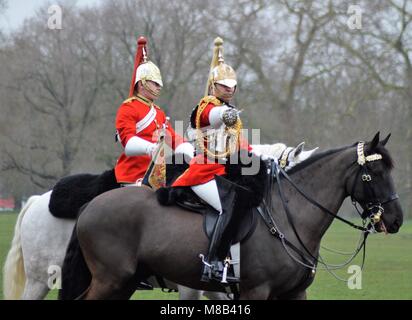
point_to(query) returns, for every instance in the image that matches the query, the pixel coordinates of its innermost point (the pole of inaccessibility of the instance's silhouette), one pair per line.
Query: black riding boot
(223, 233)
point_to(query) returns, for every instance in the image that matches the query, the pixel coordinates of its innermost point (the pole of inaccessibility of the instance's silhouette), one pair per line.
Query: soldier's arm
(126, 129)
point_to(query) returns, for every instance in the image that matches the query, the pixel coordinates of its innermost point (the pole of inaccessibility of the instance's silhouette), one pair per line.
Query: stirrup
(213, 272)
(207, 270)
(226, 264)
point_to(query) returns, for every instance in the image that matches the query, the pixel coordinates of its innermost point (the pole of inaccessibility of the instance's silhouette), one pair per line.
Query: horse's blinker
(373, 210)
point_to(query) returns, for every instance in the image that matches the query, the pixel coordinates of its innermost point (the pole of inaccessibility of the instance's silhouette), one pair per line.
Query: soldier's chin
(226, 97)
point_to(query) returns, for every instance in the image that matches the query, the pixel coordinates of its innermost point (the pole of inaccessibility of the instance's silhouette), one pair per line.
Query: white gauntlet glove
(137, 147)
(223, 115)
(257, 151)
(281, 153)
(186, 149)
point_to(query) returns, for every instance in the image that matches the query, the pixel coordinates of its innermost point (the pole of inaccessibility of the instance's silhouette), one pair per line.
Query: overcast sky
(18, 10)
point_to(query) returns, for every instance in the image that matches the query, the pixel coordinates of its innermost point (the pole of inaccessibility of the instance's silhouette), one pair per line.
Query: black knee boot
(223, 233)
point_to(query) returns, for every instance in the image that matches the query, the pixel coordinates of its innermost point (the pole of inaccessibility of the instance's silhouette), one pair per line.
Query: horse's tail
(14, 277)
(76, 276)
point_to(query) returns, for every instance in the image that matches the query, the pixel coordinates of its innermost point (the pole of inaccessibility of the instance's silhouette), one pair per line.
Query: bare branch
(13, 164)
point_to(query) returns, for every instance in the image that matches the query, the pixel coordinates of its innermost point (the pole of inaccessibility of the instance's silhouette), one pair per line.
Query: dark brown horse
(125, 233)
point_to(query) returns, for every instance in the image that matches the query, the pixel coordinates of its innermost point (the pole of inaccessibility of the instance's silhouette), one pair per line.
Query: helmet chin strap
(225, 96)
(152, 92)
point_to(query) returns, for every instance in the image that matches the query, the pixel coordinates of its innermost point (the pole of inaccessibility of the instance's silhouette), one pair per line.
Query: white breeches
(209, 193)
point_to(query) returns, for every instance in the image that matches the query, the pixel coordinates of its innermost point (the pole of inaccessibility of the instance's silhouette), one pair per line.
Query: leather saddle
(185, 198)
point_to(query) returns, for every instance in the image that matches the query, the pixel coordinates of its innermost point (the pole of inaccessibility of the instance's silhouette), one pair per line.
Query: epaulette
(201, 106)
(130, 99)
(210, 99)
(140, 99)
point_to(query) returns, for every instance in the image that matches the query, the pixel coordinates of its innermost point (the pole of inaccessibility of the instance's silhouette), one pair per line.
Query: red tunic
(201, 169)
(130, 169)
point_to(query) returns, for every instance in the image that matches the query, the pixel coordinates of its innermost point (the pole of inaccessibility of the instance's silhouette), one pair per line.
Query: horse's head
(372, 186)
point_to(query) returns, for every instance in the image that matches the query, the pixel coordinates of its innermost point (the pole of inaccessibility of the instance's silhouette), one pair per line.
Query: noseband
(373, 208)
(373, 211)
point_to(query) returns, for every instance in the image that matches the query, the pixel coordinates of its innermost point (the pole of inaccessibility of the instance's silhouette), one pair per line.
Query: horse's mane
(386, 157)
(316, 157)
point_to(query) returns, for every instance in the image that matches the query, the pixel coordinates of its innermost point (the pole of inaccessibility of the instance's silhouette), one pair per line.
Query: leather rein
(373, 209)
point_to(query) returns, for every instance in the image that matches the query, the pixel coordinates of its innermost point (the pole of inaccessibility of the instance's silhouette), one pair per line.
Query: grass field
(387, 273)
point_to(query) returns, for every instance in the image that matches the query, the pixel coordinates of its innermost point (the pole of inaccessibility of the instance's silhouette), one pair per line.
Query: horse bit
(374, 209)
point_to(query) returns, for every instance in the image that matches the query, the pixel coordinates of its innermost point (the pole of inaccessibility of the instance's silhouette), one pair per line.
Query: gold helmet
(144, 70)
(149, 71)
(220, 72)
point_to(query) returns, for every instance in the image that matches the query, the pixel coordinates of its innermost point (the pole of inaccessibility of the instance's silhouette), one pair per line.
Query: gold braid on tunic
(141, 99)
(233, 132)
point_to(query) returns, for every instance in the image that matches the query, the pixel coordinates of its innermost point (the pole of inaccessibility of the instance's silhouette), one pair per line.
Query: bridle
(373, 209)
(284, 157)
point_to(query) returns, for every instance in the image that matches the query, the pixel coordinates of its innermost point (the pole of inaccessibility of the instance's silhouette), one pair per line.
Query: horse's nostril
(396, 225)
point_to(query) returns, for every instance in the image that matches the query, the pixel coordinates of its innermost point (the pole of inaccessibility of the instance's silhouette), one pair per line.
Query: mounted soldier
(142, 127)
(140, 123)
(217, 128)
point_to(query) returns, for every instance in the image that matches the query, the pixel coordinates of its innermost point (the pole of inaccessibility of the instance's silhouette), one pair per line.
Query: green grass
(155, 294)
(387, 273)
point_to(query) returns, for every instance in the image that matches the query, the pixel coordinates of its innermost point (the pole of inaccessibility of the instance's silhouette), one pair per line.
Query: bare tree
(59, 86)
(303, 74)
(382, 50)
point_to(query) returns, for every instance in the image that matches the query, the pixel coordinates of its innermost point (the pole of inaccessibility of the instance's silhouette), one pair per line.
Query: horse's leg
(34, 290)
(299, 296)
(110, 290)
(214, 295)
(258, 293)
(44, 239)
(186, 293)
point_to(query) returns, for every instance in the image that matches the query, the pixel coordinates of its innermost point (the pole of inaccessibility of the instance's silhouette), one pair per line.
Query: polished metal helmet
(144, 69)
(220, 72)
(225, 75)
(148, 71)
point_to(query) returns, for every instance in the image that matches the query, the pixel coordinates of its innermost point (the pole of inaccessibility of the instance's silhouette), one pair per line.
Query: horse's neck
(324, 182)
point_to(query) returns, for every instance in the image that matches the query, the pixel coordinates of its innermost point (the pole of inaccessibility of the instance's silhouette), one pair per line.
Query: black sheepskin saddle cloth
(72, 192)
(251, 186)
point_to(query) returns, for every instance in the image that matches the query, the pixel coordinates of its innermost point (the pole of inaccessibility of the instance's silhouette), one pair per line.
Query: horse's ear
(374, 141)
(385, 141)
(299, 148)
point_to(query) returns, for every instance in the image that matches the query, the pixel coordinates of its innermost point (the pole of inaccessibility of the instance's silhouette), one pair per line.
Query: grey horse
(129, 226)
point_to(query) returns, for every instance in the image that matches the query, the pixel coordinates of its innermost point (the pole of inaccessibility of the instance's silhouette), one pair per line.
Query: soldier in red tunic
(217, 126)
(138, 125)
(139, 122)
